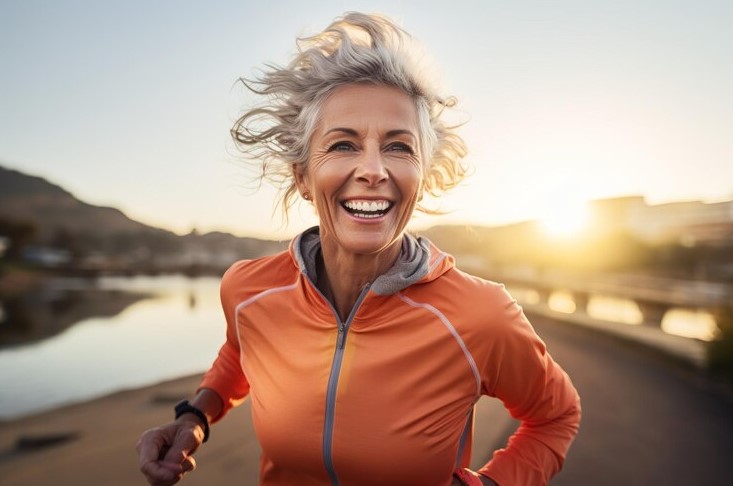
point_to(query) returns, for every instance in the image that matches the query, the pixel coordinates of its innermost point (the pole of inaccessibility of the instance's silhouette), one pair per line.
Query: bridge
(653, 296)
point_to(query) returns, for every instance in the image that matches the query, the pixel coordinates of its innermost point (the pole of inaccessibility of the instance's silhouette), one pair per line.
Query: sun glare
(564, 219)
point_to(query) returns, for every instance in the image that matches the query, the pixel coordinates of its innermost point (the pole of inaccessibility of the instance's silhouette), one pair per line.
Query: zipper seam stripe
(464, 436)
(264, 293)
(441, 256)
(444, 320)
(328, 422)
(469, 358)
(251, 300)
(333, 380)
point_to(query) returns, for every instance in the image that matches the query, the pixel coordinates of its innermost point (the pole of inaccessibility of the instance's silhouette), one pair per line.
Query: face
(364, 173)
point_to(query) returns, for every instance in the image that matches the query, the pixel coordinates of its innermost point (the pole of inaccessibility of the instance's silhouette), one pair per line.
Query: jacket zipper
(333, 378)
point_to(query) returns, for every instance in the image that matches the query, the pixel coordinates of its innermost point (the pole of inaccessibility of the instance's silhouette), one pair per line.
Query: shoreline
(67, 407)
(94, 441)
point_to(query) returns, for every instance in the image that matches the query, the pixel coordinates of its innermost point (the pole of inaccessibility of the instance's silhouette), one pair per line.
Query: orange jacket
(386, 397)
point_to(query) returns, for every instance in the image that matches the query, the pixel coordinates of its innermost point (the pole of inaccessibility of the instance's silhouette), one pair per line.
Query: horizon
(549, 225)
(129, 105)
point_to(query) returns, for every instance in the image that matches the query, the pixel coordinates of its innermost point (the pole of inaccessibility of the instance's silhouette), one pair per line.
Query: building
(688, 223)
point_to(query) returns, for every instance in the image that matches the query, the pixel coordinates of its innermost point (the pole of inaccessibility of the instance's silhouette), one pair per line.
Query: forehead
(366, 106)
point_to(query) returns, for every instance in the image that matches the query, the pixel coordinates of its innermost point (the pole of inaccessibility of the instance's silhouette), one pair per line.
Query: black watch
(185, 407)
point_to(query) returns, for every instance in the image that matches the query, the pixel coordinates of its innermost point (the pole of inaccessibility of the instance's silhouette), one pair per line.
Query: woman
(363, 348)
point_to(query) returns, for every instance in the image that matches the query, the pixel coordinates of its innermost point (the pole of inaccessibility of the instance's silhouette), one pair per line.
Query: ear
(301, 180)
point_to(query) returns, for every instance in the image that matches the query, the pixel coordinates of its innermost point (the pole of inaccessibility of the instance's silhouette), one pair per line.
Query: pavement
(648, 418)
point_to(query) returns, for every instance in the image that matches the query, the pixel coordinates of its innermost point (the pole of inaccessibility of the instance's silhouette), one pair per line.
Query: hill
(51, 208)
(46, 215)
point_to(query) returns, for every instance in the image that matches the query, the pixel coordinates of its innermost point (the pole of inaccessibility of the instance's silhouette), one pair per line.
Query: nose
(370, 169)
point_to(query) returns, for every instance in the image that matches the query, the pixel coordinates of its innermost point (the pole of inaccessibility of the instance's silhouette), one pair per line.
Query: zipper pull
(341, 335)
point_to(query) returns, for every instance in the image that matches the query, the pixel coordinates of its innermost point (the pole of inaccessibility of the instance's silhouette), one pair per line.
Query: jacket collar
(419, 260)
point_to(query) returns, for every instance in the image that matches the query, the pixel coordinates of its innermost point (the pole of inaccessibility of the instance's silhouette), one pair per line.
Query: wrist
(188, 413)
(466, 477)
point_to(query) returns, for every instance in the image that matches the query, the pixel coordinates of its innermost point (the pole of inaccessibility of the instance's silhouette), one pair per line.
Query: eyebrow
(348, 131)
(352, 132)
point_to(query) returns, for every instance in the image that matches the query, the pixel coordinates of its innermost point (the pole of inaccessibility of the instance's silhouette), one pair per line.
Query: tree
(19, 234)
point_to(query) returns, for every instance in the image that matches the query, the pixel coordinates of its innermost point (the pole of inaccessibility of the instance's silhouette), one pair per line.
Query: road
(647, 420)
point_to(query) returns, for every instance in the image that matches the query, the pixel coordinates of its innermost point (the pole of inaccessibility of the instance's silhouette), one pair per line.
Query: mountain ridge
(56, 218)
(52, 208)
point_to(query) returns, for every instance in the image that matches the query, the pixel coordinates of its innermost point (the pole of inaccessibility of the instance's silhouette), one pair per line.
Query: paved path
(647, 421)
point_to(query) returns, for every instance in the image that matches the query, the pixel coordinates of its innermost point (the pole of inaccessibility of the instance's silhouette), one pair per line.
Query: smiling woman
(365, 174)
(364, 349)
(355, 50)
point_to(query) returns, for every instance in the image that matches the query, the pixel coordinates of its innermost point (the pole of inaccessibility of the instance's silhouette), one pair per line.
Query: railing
(654, 297)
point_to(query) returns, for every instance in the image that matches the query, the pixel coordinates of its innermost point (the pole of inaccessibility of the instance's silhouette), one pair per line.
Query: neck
(342, 276)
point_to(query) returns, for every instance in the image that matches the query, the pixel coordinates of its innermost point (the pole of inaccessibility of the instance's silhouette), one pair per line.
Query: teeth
(367, 206)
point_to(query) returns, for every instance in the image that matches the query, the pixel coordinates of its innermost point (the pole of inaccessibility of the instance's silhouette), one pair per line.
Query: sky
(129, 103)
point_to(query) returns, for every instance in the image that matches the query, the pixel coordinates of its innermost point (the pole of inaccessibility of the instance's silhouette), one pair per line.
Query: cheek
(409, 180)
(325, 181)
(323, 184)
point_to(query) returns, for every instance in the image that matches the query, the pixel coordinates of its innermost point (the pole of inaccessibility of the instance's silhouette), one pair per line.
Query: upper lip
(366, 198)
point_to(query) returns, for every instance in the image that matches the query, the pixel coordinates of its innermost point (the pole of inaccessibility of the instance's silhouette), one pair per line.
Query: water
(688, 323)
(79, 339)
(132, 332)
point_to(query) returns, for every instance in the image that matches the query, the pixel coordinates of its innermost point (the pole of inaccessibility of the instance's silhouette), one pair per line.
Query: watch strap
(185, 407)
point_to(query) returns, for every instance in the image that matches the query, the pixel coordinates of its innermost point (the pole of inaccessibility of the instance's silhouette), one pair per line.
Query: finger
(172, 466)
(149, 447)
(189, 464)
(182, 447)
(157, 474)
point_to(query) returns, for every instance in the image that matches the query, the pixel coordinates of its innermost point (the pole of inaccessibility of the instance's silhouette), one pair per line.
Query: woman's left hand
(466, 477)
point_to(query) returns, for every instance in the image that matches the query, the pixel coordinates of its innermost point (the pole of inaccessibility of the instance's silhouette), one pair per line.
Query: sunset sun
(564, 218)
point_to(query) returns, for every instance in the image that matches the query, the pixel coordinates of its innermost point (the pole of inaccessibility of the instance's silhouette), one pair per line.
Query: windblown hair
(356, 48)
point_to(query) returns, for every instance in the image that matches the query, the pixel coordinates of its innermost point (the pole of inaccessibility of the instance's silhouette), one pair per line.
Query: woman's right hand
(165, 453)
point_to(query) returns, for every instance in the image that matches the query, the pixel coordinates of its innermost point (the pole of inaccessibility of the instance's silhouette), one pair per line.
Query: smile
(367, 209)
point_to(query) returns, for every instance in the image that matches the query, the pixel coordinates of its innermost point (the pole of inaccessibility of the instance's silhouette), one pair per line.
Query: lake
(77, 339)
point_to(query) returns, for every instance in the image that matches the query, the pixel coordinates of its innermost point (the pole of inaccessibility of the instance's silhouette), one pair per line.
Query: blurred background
(601, 194)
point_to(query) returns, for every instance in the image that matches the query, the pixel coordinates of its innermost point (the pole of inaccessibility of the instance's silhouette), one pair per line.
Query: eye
(341, 147)
(400, 147)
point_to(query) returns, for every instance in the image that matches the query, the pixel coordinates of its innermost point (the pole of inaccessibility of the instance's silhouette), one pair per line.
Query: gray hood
(411, 266)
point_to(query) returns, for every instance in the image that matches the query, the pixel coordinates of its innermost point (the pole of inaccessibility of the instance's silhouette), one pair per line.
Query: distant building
(688, 223)
(46, 256)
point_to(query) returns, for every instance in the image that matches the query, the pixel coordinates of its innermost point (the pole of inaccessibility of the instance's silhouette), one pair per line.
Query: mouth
(367, 209)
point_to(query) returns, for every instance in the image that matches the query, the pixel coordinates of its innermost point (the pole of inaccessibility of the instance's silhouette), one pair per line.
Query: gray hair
(356, 48)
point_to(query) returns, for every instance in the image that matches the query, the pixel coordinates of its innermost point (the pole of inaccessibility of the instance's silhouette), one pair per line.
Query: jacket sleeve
(226, 377)
(536, 391)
